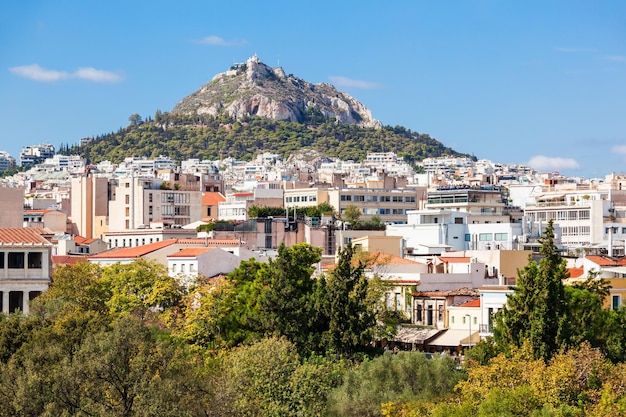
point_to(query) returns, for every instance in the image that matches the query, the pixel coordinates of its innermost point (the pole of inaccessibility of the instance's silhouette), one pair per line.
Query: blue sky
(537, 82)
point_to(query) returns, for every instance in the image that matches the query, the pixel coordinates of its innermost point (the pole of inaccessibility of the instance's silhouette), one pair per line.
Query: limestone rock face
(254, 88)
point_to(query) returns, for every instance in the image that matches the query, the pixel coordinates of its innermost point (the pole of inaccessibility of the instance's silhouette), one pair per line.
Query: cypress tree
(537, 309)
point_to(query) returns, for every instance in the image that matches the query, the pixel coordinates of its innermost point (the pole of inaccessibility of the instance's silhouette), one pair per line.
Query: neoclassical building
(25, 267)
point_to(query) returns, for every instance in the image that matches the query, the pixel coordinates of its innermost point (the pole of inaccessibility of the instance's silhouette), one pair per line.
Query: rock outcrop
(254, 88)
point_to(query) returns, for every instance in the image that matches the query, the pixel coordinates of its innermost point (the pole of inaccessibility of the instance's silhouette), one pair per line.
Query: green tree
(140, 287)
(350, 315)
(351, 214)
(405, 377)
(286, 305)
(537, 309)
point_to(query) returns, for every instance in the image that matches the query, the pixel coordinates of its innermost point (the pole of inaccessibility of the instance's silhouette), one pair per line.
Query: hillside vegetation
(181, 137)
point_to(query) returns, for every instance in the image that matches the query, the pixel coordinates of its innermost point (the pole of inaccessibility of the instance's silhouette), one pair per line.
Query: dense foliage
(182, 137)
(271, 339)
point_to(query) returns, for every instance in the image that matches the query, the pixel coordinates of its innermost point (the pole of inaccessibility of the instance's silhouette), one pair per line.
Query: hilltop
(252, 108)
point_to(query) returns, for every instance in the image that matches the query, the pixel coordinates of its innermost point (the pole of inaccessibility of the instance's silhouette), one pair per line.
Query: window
(468, 237)
(127, 211)
(16, 260)
(501, 236)
(484, 237)
(34, 260)
(458, 220)
(583, 215)
(1, 260)
(173, 267)
(475, 320)
(149, 197)
(182, 268)
(464, 317)
(452, 319)
(440, 313)
(616, 302)
(419, 313)
(127, 199)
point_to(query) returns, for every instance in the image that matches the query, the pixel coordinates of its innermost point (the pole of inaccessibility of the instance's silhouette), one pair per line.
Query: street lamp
(469, 341)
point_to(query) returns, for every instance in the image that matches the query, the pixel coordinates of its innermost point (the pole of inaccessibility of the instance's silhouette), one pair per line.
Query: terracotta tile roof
(460, 260)
(471, 303)
(58, 260)
(37, 211)
(212, 198)
(576, 272)
(22, 236)
(190, 252)
(381, 258)
(83, 240)
(134, 252)
(601, 260)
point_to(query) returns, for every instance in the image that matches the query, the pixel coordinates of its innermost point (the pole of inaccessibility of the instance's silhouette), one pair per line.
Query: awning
(415, 334)
(454, 338)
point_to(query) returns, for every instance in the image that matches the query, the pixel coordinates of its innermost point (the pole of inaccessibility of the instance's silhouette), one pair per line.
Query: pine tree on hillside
(537, 310)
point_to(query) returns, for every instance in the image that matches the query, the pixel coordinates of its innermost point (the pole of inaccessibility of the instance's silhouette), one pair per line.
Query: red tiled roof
(381, 258)
(212, 198)
(461, 259)
(134, 252)
(83, 240)
(37, 211)
(22, 236)
(576, 272)
(471, 303)
(190, 252)
(601, 260)
(67, 259)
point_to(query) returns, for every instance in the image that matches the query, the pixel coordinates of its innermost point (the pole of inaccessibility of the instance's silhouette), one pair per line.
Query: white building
(25, 267)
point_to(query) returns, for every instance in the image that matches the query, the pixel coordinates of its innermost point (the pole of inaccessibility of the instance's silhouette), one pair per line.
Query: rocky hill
(255, 89)
(252, 108)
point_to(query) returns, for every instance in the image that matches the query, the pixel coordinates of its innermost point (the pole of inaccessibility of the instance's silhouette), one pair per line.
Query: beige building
(89, 206)
(11, 206)
(137, 202)
(389, 204)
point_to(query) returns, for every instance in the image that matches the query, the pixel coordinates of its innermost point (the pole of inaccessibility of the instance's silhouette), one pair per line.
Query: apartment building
(137, 202)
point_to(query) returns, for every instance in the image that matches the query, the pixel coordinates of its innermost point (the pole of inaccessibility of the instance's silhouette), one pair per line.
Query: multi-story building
(390, 205)
(461, 218)
(11, 206)
(89, 207)
(36, 154)
(25, 267)
(6, 161)
(137, 202)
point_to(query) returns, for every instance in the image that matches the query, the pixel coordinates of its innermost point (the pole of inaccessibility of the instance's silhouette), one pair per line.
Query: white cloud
(620, 149)
(218, 41)
(97, 76)
(37, 73)
(340, 81)
(616, 58)
(544, 163)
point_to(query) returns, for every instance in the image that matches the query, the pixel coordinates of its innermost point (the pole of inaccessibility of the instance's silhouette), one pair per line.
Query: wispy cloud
(616, 58)
(340, 81)
(543, 163)
(218, 41)
(573, 50)
(619, 149)
(37, 73)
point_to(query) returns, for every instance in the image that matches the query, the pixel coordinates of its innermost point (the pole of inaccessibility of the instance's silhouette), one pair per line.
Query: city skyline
(539, 83)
